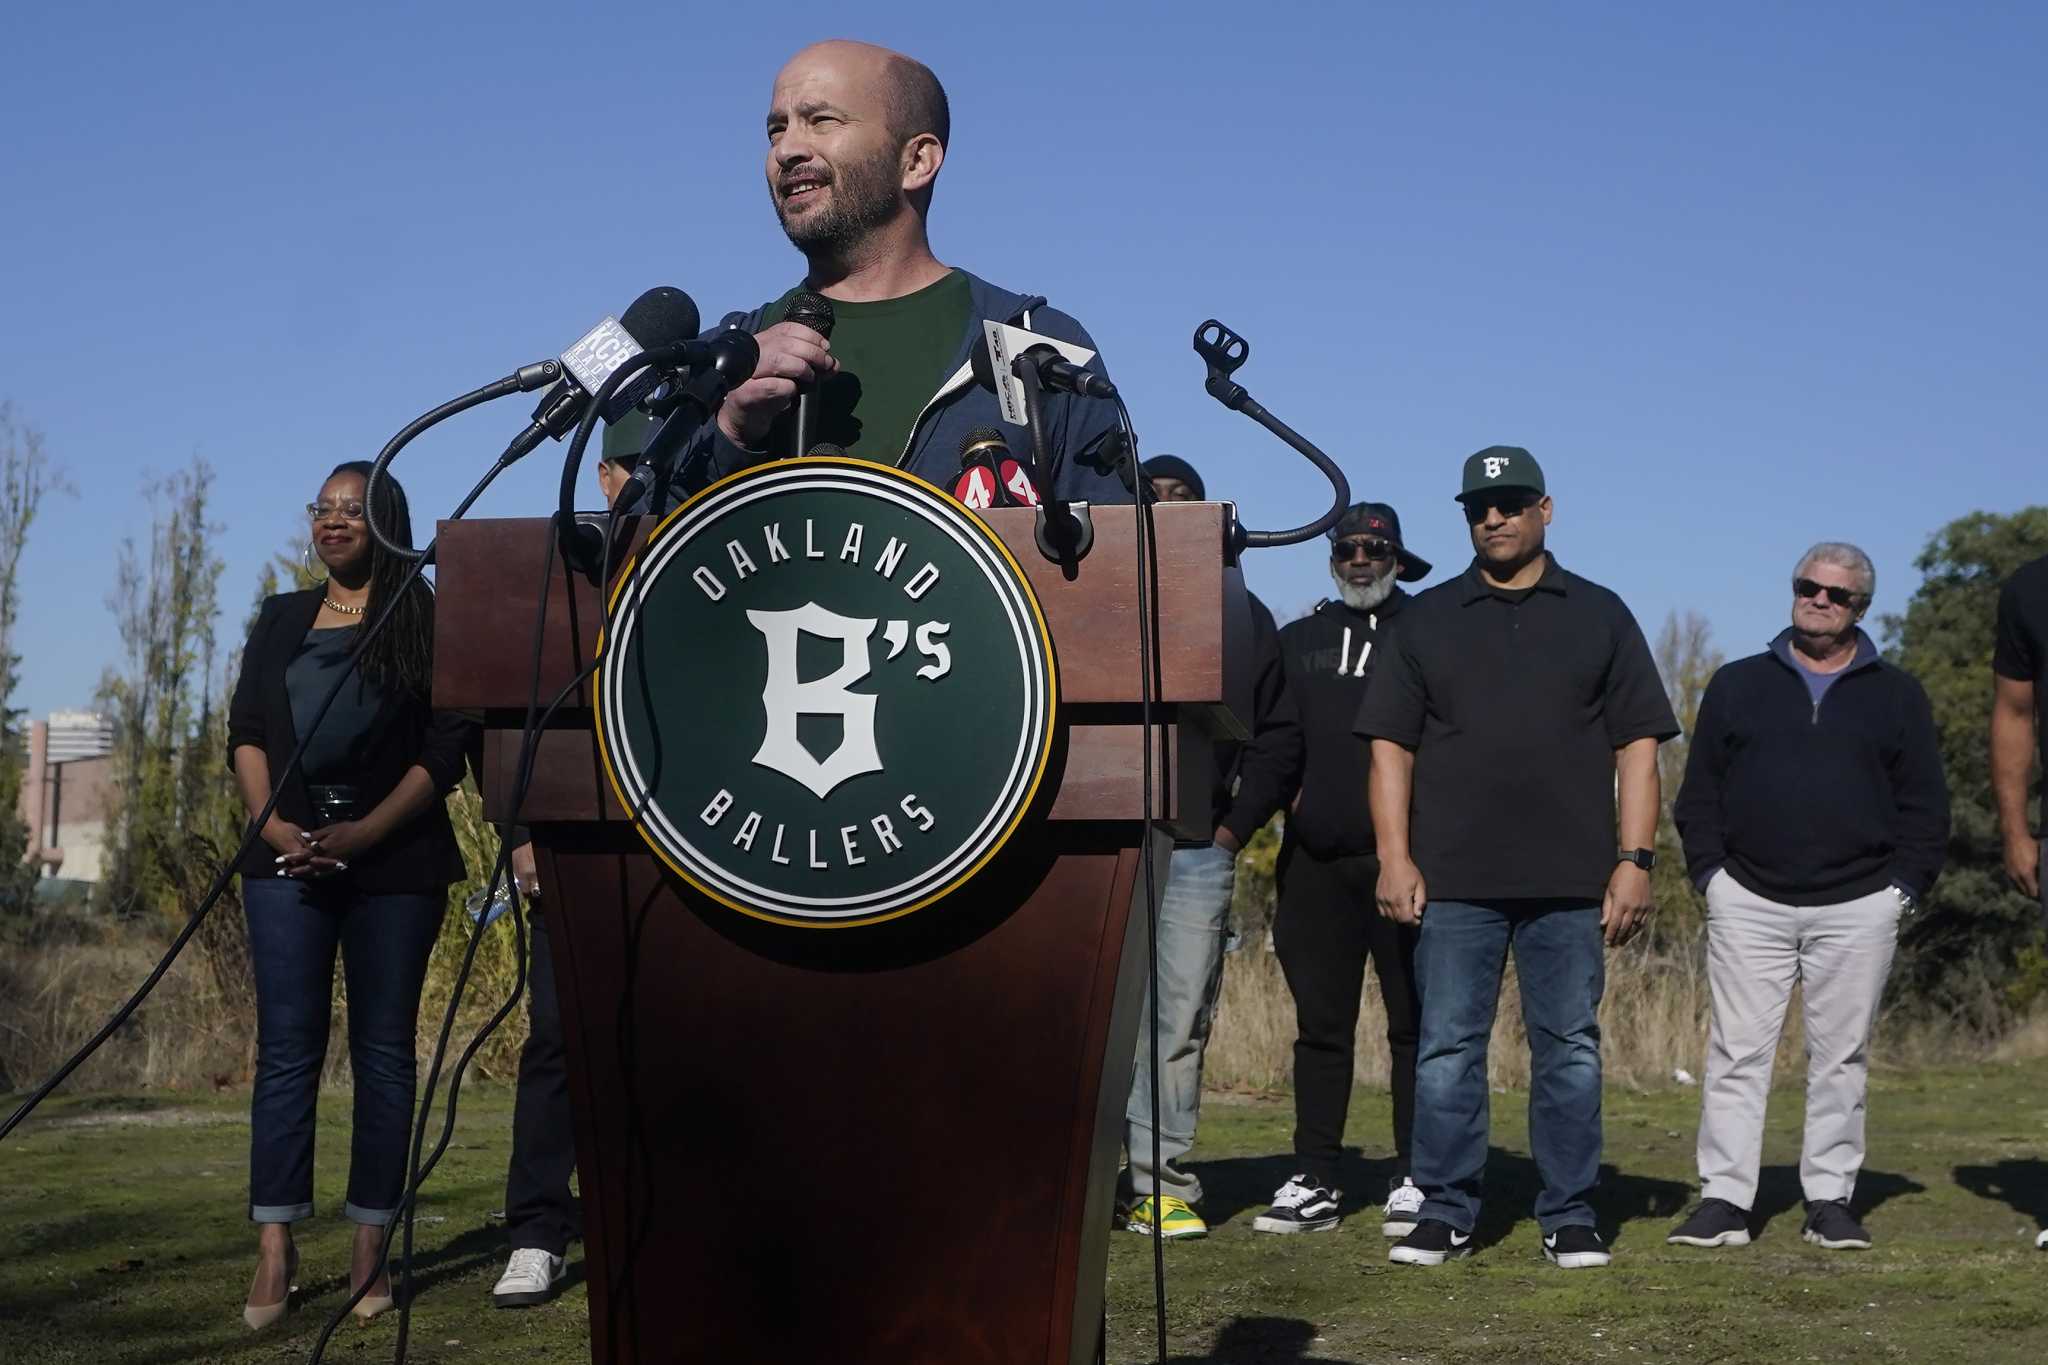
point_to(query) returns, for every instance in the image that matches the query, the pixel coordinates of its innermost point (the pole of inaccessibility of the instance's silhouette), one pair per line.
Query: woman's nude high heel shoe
(262, 1315)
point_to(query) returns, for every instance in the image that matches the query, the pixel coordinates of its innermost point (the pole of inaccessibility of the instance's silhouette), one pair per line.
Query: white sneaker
(532, 1276)
(1404, 1207)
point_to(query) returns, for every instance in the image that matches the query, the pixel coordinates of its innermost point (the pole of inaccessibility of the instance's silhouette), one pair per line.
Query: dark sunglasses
(1344, 551)
(1511, 505)
(1841, 597)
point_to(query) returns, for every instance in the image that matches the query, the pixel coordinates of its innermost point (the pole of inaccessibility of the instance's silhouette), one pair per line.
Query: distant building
(68, 792)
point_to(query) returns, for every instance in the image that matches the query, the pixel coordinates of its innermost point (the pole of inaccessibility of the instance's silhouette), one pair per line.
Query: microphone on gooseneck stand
(815, 312)
(659, 317)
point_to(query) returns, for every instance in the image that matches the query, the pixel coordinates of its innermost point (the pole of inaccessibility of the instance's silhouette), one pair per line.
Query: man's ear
(922, 157)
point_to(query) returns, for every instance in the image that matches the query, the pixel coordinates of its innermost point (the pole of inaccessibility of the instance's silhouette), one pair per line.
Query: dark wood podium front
(894, 1143)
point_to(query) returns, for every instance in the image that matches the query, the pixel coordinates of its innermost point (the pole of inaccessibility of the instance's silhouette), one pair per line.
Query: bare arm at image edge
(2012, 759)
(1401, 892)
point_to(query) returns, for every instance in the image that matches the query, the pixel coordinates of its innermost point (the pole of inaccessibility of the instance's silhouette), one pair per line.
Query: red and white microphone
(987, 473)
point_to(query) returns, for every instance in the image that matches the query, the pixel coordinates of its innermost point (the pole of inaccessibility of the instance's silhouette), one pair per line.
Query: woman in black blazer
(358, 856)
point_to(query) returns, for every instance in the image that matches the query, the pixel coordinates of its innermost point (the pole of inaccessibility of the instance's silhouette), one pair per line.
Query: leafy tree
(176, 808)
(26, 478)
(1686, 661)
(1966, 946)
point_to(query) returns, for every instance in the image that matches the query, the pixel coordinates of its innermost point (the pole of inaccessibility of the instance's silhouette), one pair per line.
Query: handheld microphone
(659, 317)
(828, 450)
(815, 312)
(980, 485)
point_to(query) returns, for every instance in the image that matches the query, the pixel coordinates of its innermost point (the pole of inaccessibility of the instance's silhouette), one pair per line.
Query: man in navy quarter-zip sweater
(1326, 925)
(1815, 815)
(856, 137)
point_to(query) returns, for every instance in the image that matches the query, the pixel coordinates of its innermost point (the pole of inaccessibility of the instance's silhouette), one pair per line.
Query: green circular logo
(826, 692)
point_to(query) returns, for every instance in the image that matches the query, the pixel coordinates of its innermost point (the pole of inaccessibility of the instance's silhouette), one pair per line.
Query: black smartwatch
(1645, 858)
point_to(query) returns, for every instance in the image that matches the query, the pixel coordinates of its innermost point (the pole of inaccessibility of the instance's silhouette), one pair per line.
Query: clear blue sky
(1743, 276)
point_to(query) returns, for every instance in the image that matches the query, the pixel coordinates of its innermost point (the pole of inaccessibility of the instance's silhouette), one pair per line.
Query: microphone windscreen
(813, 311)
(660, 316)
(984, 441)
(983, 363)
(826, 448)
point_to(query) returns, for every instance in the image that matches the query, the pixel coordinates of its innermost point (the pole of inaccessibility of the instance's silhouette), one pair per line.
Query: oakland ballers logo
(827, 693)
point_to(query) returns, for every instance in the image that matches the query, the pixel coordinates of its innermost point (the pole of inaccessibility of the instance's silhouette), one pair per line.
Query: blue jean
(1561, 963)
(385, 941)
(1194, 919)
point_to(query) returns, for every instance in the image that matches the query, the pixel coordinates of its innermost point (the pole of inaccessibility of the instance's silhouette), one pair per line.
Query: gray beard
(1363, 597)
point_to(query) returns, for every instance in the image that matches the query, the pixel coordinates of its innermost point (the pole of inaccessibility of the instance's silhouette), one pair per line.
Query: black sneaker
(1432, 1243)
(1715, 1223)
(1576, 1247)
(1303, 1204)
(1830, 1224)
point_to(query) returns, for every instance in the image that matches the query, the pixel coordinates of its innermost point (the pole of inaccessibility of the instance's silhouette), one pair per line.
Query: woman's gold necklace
(343, 608)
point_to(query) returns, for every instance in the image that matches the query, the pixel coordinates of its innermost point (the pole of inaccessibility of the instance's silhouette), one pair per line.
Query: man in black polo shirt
(2017, 662)
(1510, 710)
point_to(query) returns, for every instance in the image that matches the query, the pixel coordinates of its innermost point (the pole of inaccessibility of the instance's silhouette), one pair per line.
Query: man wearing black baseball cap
(1326, 925)
(1194, 920)
(1507, 714)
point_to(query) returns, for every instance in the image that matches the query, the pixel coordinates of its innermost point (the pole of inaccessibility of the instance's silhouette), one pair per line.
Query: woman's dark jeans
(385, 941)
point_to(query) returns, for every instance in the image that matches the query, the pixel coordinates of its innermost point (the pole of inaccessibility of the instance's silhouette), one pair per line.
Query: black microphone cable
(1147, 586)
(254, 832)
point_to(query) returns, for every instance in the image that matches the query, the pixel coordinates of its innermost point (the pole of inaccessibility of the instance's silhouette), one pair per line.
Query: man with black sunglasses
(1511, 708)
(1815, 814)
(1326, 928)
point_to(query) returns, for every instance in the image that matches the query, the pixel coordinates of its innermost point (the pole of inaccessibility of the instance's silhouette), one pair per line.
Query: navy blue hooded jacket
(1079, 431)
(1814, 803)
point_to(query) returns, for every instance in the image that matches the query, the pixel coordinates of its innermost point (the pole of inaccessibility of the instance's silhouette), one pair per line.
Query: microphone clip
(1224, 351)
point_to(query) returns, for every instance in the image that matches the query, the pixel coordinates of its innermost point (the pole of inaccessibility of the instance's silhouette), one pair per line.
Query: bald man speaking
(856, 138)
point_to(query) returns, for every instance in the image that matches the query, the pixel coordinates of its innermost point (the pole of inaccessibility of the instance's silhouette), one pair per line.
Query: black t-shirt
(1514, 703)
(2022, 648)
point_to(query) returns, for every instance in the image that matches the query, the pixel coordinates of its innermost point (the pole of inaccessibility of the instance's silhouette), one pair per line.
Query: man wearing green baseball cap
(1508, 712)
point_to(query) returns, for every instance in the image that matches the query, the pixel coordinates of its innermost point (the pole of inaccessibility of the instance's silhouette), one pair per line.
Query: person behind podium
(358, 856)
(856, 138)
(1258, 777)
(542, 1215)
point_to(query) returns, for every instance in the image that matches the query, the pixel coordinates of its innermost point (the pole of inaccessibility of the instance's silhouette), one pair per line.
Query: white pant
(1756, 949)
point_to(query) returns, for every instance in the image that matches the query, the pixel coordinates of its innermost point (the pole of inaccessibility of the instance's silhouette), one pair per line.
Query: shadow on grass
(2020, 1182)
(1232, 1186)
(1271, 1341)
(1778, 1192)
(1513, 1182)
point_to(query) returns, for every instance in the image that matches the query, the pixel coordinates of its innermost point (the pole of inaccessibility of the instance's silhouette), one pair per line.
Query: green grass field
(120, 1219)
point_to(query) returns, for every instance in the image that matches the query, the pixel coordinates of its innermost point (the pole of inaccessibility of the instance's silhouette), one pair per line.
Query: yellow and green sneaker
(1173, 1215)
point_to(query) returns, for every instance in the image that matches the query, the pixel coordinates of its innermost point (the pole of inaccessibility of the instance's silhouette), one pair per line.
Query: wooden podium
(896, 1143)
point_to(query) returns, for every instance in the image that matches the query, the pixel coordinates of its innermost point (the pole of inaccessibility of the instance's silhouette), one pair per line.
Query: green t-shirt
(893, 355)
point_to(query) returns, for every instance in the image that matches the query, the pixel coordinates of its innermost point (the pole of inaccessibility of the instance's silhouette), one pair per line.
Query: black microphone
(716, 365)
(1055, 371)
(815, 312)
(827, 450)
(980, 483)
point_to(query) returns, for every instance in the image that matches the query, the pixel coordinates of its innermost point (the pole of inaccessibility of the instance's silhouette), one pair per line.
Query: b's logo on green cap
(826, 694)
